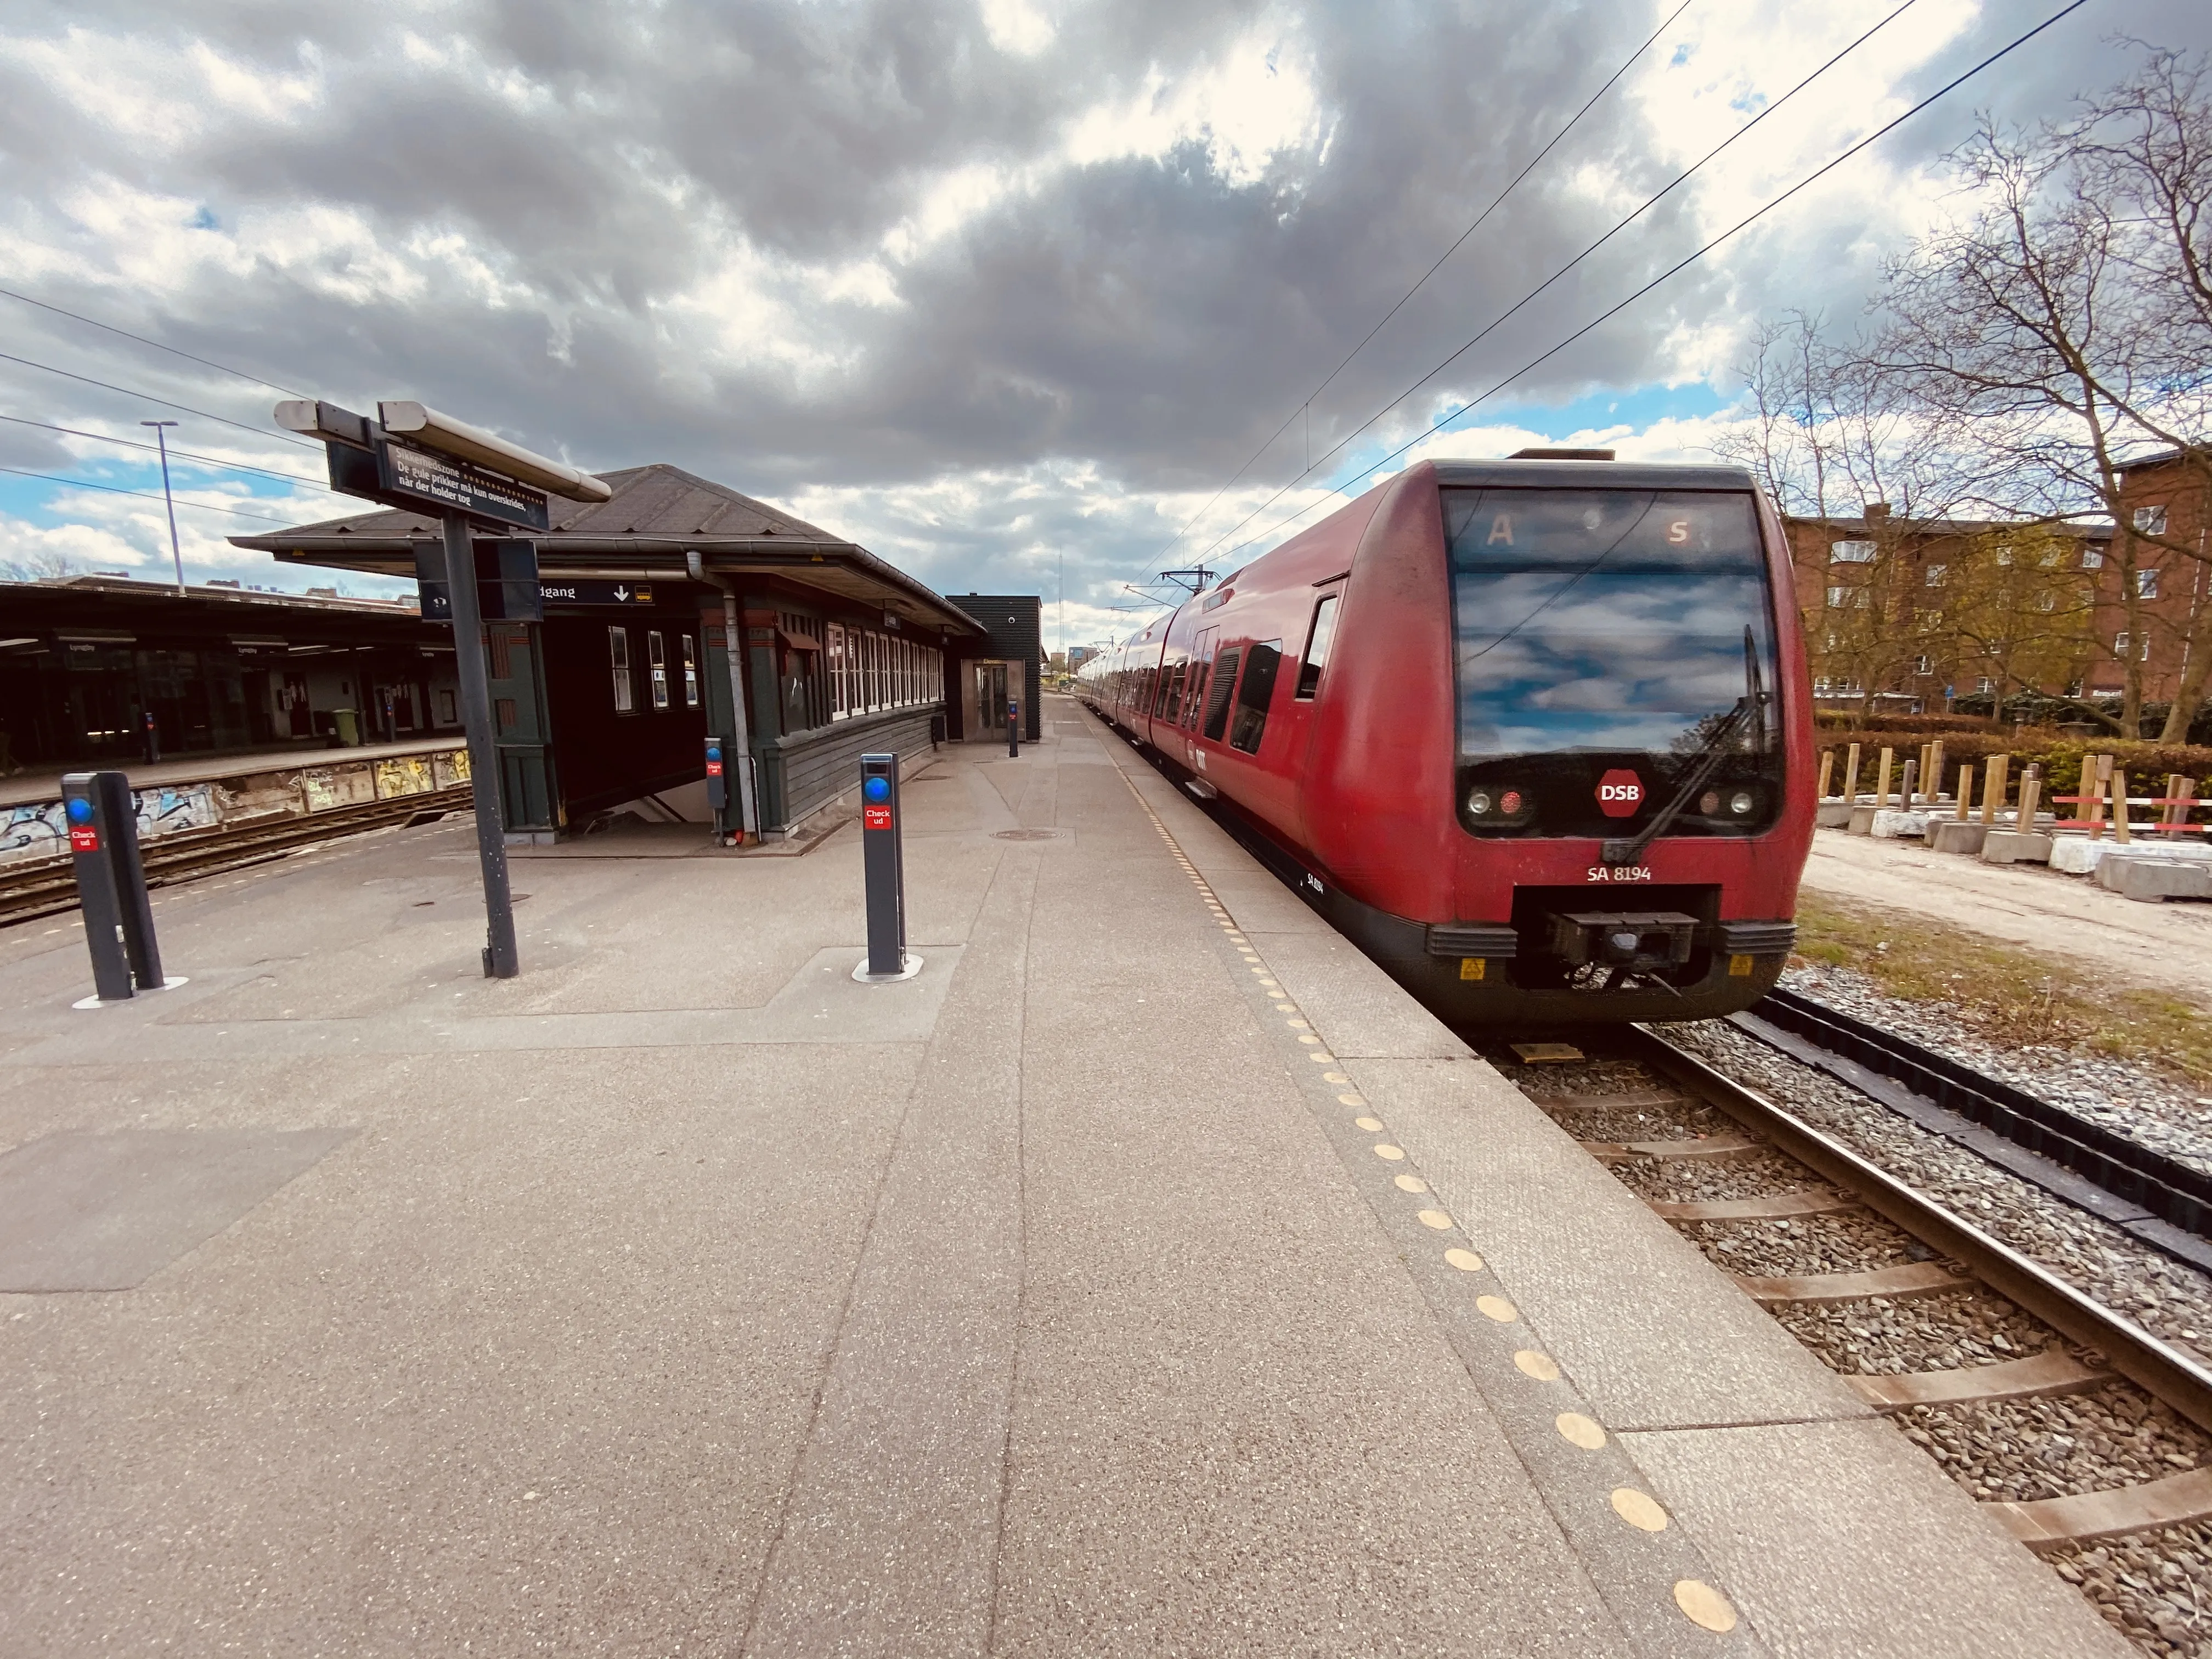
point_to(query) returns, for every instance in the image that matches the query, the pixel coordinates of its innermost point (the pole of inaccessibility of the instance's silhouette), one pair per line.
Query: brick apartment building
(1918, 611)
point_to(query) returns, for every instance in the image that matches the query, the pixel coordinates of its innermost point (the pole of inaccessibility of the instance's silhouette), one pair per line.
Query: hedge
(2058, 754)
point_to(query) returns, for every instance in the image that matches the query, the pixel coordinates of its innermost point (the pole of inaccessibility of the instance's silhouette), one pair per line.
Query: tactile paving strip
(1654, 1579)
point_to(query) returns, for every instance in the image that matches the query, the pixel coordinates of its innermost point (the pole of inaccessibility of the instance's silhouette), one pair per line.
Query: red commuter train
(1535, 733)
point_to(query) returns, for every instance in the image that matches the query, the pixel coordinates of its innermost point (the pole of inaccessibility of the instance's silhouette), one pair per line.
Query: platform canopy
(657, 514)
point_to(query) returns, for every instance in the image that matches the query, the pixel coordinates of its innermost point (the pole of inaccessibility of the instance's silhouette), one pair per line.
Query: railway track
(48, 886)
(1995, 1349)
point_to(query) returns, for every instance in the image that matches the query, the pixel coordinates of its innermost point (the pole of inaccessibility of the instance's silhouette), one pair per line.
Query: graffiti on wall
(37, 828)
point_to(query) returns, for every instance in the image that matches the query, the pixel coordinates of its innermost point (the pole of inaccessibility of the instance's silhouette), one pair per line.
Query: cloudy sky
(1008, 290)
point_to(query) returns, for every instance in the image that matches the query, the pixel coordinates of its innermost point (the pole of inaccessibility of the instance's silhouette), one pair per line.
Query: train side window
(1194, 695)
(1217, 696)
(1254, 694)
(618, 651)
(1318, 639)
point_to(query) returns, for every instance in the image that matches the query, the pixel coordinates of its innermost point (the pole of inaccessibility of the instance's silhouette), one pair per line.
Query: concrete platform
(682, 1295)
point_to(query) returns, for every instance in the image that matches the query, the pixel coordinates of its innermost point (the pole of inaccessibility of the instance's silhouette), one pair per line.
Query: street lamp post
(161, 441)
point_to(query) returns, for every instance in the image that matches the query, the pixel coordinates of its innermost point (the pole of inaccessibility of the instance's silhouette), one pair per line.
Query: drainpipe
(733, 652)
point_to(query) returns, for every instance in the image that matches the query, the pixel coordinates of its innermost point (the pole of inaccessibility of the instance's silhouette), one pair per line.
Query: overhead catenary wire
(143, 495)
(174, 454)
(1526, 299)
(1673, 269)
(95, 322)
(1305, 408)
(164, 402)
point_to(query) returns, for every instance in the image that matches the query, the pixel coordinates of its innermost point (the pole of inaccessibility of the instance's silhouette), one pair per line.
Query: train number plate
(1620, 872)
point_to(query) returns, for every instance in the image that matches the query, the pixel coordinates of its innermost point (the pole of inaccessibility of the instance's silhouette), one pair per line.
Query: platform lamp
(161, 442)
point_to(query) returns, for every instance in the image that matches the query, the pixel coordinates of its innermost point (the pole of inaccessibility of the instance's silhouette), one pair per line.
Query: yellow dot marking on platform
(1320, 1059)
(1386, 1150)
(1437, 1220)
(1640, 1510)
(1370, 1124)
(1701, 1604)
(1335, 1077)
(1270, 987)
(1498, 1308)
(1286, 1007)
(1298, 1024)
(1261, 971)
(1351, 1100)
(1542, 1366)
(1308, 1037)
(1582, 1431)
(1465, 1260)
(1407, 1184)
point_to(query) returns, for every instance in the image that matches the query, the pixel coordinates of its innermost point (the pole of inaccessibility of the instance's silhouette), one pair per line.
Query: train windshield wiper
(1750, 710)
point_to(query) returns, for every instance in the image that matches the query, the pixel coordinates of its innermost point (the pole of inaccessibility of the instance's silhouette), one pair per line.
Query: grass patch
(2002, 993)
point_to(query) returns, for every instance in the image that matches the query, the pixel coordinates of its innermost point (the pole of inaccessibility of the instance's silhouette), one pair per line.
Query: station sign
(400, 475)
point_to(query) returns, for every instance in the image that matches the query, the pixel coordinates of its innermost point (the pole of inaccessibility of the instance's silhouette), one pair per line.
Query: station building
(607, 700)
(92, 666)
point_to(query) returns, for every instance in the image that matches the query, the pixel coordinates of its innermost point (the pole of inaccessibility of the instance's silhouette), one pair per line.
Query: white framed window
(1851, 552)
(1835, 598)
(1922, 666)
(839, 700)
(1936, 573)
(656, 665)
(2093, 558)
(2047, 603)
(2004, 553)
(618, 656)
(690, 648)
(2151, 520)
(2146, 584)
(1985, 684)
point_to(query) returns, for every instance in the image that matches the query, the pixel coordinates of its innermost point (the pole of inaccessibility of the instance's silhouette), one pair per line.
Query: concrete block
(1834, 815)
(2111, 867)
(1949, 835)
(1891, 824)
(2013, 847)
(2153, 879)
(2077, 855)
(1862, 822)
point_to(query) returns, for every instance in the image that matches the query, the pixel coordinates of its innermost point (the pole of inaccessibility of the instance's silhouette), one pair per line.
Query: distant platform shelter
(608, 701)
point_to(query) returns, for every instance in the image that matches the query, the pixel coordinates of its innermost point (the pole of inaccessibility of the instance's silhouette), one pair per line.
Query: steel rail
(48, 887)
(2133, 1352)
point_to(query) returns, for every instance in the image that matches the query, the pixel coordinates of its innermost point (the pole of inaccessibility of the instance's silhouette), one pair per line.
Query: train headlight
(1740, 803)
(1478, 804)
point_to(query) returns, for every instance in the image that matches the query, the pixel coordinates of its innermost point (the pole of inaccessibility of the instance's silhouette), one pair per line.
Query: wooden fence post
(1993, 788)
(1931, 776)
(1851, 775)
(1965, 791)
(2030, 796)
(1881, 785)
(2121, 828)
(2096, 778)
(1827, 770)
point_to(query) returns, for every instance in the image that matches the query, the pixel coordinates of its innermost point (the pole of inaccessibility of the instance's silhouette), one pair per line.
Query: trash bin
(346, 724)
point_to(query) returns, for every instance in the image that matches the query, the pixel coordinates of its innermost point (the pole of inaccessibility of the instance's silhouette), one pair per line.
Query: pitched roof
(657, 514)
(656, 500)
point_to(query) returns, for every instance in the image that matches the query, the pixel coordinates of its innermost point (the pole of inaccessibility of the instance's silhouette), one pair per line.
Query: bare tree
(1833, 436)
(44, 565)
(2059, 329)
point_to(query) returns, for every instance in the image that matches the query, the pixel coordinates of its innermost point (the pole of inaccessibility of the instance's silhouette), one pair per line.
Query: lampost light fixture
(161, 442)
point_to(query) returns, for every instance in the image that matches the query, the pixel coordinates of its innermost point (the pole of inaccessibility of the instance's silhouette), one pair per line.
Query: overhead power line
(1526, 299)
(143, 495)
(222, 420)
(1678, 267)
(184, 454)
(95, 322)
(1480, 220)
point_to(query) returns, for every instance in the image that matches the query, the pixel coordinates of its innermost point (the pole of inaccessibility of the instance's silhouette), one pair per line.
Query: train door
(1193, 688)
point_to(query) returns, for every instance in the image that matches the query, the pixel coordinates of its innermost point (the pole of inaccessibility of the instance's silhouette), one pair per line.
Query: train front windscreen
(1615, 648)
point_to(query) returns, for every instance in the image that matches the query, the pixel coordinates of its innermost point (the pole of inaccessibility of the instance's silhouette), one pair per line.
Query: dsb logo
(1619, 793)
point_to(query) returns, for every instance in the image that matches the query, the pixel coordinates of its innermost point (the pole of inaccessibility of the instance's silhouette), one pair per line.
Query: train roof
(1589, 475)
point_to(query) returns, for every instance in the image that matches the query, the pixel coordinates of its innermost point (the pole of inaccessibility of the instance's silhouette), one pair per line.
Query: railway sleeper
(2054, 1370)
(1705, 1147)
(1907, 1278)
